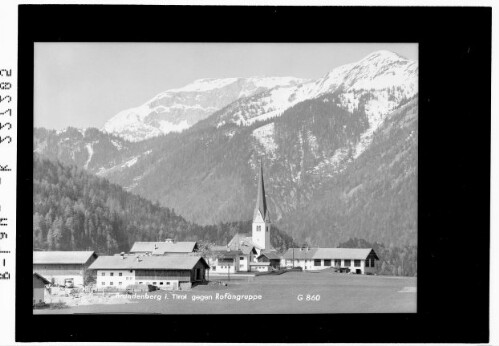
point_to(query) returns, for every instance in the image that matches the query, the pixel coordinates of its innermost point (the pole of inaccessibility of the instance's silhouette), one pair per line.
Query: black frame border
(453, 167)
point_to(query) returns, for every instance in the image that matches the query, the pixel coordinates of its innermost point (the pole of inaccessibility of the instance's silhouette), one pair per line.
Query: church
(260, 228)
(248, 252)
(254, 253)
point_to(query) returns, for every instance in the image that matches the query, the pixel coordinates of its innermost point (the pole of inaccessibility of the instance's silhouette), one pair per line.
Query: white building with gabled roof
(359, 261)
(164, 272)
(63, 267)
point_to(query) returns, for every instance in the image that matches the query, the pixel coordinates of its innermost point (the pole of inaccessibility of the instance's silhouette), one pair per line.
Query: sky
(85, 84)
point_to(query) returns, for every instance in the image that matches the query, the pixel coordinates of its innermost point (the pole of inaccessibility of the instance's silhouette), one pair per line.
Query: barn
(39, 283)
(272, 258)
(359, 261)
(165, 272)
(63, 267)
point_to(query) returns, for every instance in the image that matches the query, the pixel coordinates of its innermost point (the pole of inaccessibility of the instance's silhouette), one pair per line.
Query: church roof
(243, 242)
(261, 202)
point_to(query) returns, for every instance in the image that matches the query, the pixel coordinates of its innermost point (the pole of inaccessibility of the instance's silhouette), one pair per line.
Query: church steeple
(261, 202)
(261, 217)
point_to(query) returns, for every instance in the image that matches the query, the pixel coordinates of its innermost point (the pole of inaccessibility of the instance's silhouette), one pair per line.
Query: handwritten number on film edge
(5, 98)
(4, 125)
(5, 72)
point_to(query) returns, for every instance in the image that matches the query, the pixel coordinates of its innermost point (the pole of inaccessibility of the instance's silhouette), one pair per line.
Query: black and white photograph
(225, 178)
(246, 173)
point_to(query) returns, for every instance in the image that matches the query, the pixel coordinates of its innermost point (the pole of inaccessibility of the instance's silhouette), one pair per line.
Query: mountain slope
(74, 210)
(339, 154)
(384, 77)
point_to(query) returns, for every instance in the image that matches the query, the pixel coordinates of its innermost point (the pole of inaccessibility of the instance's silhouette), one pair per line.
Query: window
(337, 262)
(103, 274)
(258, 228)
(161, 283)
(111, 283)
(348, 263)
(154, 283)
(317, 263)
(372, 262)
(366, 263)
(112, 274)
(120, 274)
(327, 262)
(213, 268)
(103, 283)
(356, 263)
(241, 258)
(268, 228)
(131, 271)
(119, 283)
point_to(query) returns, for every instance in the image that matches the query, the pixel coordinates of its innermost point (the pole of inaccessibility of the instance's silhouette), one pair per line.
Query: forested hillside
(339, 153)
(373, 197)
(74, 210)
(393, 260)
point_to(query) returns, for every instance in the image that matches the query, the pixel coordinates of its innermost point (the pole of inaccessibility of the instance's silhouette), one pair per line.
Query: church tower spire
(261, 202)
(261, 216)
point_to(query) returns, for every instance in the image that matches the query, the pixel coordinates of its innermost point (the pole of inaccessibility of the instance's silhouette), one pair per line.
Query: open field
(279, 294)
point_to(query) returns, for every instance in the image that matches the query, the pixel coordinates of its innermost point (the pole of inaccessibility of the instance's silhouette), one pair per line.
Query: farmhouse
(39, 283)
(359, 261)
(165, 272)
(63, 267)
(272, 258)
(224, 260)
(167, 247)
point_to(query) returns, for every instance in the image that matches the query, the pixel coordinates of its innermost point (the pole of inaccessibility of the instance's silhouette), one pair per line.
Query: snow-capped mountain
(337, 151)
(178, 109)
(385, 76)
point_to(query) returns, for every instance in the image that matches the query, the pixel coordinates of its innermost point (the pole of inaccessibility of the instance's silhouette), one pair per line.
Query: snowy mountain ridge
(378, 83)
(178, 109)
(385, 75)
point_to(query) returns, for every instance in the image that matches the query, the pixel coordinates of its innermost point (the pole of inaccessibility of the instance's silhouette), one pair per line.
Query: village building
(164, 272)
(359, 261)
(242, 251)
(272, 258)
(39, 283)
(67, 268)
(223, 260)
(167, 247)
(260, 267)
